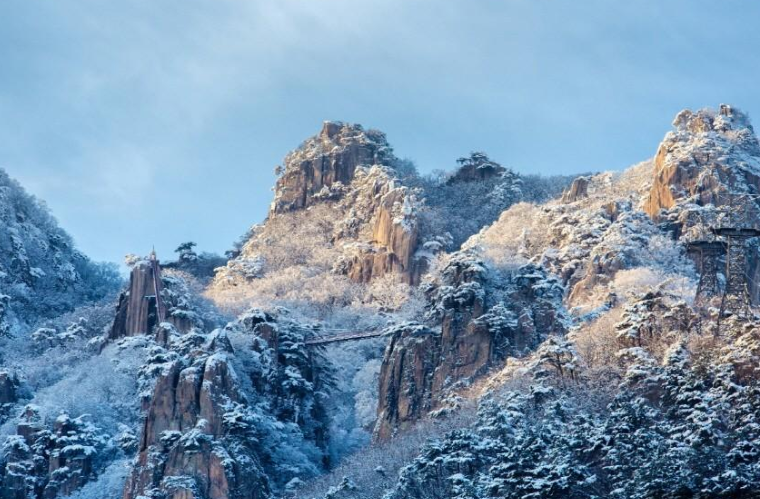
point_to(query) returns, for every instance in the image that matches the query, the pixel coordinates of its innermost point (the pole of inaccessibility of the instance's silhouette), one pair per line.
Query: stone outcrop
(707, 174)
(337, 159)
(475, 324)
(208, 428)
(345, 177)
(325, 160)
(707, 157)
(137, 311)
(47, 463)
(406, 378)
(146, 303)
(185, 449)
(394, 240)
(577, 190)
(476, 168)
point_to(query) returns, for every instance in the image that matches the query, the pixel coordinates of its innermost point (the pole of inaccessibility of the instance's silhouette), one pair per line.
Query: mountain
(42, 274)
(626, 388)
(385, 334)
(346, 210)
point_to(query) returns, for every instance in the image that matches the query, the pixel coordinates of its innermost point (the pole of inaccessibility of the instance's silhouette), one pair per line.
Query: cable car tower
(736, 300)
(707, 255)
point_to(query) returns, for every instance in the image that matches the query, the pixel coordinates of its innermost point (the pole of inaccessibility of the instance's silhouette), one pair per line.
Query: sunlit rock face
(708, 156)
(577, 190)
(707, 174)
(326, 164)
(345, 180)
(326, 159)
(393, 239)
(139, 311)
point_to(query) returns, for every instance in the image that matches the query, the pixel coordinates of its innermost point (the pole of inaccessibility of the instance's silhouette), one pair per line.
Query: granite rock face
(326, 160)
(394, 236)
(706, 157)
(371, 221)
(406, 378)
(706, 175)
(477, 319)
(577, 190)
(138, 311)
(476, 167)
(184, 449)
(216, 413)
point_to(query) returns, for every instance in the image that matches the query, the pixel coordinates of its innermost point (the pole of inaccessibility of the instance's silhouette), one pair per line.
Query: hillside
(42, 274)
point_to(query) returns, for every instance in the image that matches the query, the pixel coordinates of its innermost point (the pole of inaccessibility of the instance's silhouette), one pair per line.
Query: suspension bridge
(340, 335)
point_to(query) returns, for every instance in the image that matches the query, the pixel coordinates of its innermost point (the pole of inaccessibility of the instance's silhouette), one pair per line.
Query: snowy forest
(470, 333)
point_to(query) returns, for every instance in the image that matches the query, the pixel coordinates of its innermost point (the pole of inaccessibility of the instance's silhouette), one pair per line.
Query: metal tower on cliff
(736, 298)
(707, 255)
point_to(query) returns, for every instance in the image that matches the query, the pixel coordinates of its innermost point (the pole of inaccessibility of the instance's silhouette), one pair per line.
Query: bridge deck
(348, 336)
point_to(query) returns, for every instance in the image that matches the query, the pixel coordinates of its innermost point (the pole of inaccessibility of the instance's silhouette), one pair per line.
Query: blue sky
(145, 122)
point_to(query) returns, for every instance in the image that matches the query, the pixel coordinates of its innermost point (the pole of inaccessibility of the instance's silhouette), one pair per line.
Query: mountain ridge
(540, 339)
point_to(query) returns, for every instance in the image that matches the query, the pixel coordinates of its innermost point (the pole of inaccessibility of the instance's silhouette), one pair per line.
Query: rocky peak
(328, 159)
(711, 158)
(358, 209)
(707, 174)
(577, 190)
(476, 167)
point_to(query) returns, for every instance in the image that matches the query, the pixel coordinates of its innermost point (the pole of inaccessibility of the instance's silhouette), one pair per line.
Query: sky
(148, 123)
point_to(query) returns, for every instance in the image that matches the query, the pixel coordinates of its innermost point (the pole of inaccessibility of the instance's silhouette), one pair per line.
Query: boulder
(578, 190)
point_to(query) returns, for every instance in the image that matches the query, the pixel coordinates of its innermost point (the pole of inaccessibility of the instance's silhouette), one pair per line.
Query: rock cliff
(707, 174)
(476, 168)
(477, 317)
(326, 161)
(709, 159)
(184, 451)
(577, 190)
(214, 414)
(348, 177)
(393, 238)
(45, 462)
(147, 302)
